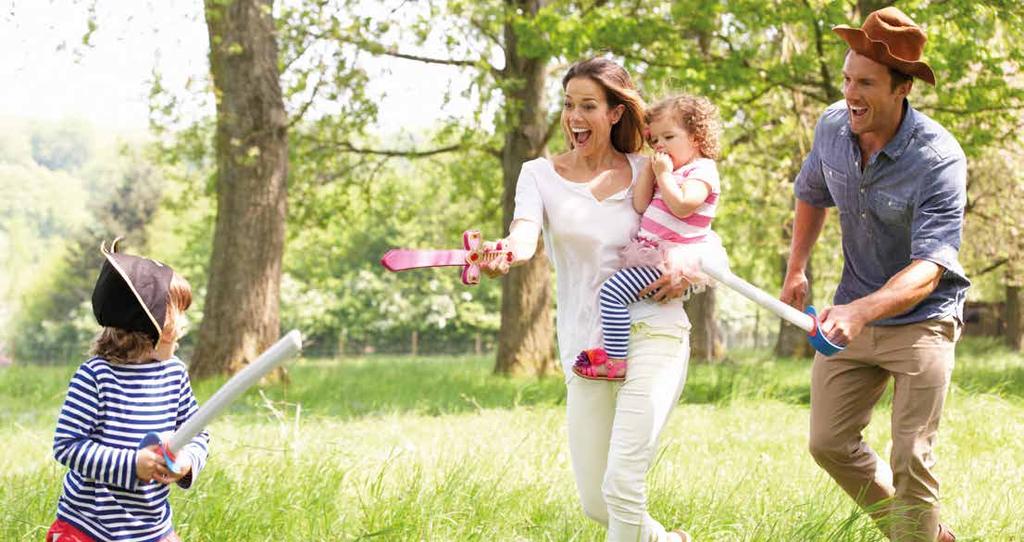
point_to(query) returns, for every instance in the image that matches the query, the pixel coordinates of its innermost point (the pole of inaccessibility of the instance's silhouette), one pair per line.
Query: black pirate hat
(131, 293)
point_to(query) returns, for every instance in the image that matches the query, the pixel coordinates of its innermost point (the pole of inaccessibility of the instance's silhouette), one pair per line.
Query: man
(899, 181)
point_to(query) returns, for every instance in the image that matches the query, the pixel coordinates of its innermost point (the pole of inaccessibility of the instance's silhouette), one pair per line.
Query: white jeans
(614, 427)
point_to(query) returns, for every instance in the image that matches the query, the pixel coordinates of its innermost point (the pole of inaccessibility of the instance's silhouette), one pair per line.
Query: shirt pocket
(835, 180)
(890, 209)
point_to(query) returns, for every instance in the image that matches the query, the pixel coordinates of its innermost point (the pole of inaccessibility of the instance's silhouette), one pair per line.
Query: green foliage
(54, 319)
(65, 146)
(356, 191)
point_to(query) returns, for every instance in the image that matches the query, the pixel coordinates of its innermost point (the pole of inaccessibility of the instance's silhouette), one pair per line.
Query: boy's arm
(73, 447)
(683, 198)
(195, 452)
(643, 192)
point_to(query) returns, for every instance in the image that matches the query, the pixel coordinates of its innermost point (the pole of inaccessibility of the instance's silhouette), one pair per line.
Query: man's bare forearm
(902, 292)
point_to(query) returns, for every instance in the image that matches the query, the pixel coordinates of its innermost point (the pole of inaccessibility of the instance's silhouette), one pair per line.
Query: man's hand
(666, 287)
(794, 290)
(842, 323)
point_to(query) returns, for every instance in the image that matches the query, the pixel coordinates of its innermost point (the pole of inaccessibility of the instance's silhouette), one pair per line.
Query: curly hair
(695, 114)
(124, 347)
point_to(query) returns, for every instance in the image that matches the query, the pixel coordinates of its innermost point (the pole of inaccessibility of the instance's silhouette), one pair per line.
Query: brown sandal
(683, 535)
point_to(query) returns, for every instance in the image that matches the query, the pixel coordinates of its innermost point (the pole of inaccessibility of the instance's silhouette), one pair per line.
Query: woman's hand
(496, 267)
(666, 287)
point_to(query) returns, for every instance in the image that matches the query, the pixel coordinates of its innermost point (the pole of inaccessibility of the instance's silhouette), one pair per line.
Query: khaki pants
(903, 498)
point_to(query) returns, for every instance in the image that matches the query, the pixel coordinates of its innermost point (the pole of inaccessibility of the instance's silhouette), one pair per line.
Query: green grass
(439, 449)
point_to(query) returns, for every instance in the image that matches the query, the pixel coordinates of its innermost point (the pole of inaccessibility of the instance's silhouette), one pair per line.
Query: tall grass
(441, 449)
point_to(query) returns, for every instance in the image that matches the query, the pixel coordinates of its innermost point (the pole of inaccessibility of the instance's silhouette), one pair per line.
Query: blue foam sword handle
(818, 340)
(152, 438)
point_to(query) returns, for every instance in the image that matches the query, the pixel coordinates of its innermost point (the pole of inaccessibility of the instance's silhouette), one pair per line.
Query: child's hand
(150, 466)
(146, 462)
(662, 164)
(164, 475)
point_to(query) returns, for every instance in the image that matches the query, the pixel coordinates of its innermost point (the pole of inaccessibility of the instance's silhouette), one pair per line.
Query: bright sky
(47, 73)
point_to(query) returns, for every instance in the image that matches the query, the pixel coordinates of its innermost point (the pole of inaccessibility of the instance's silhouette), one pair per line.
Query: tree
(705, 335)
(242, 302)
(526, 339)
(993, 248)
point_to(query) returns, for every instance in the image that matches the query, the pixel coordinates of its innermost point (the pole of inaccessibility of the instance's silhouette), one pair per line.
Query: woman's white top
(583, 237)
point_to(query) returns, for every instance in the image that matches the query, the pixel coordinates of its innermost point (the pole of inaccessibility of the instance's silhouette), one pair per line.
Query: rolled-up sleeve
(810, 184)
(529, 205)
(939, 216)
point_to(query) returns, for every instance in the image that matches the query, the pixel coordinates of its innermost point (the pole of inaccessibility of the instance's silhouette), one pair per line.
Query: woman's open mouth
(580, 136)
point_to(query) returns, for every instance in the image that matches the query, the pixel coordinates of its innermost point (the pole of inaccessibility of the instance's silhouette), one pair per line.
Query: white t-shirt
(583, 237)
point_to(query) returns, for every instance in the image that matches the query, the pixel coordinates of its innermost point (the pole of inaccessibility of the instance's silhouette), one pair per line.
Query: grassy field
(439, 449)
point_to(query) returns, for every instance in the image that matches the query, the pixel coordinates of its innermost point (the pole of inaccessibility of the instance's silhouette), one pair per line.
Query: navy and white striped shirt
(108, 410)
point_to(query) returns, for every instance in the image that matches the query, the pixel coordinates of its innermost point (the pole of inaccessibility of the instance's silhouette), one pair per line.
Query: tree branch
(430, 60)
(553, 126)
(831, 93)
(348, 147)
(305, 107)
(479, 26)
(971, 111)
(991, 268)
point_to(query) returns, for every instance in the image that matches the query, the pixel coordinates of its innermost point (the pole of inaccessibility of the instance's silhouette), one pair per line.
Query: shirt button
(863, 215)
(862, 190)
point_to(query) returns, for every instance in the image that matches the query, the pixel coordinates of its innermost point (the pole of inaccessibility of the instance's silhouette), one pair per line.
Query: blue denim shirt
(907, 204)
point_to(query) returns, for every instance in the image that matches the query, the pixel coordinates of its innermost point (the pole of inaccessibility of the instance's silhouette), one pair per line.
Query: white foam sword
(282, 350)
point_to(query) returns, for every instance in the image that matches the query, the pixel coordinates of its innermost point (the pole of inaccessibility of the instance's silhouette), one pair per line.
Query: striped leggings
(617, 293)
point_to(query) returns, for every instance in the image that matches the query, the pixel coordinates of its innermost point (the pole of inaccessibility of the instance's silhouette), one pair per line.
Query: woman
(582, 202)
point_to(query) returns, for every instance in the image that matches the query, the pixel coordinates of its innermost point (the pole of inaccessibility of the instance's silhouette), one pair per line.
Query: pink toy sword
(469, 258)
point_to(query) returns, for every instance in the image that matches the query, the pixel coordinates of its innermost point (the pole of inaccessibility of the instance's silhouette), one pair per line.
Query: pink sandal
(589, 360)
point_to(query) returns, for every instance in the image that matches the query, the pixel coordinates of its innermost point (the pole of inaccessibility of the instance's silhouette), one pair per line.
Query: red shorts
(62, 531)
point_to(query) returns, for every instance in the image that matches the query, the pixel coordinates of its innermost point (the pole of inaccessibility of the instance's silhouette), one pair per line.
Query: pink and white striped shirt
(659, 224)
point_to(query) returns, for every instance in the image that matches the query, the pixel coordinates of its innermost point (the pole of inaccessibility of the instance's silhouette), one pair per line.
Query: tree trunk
(414, 343)
(240, 318)
(526, 339)
(705, 336)
(1014, 324)
(792, 341)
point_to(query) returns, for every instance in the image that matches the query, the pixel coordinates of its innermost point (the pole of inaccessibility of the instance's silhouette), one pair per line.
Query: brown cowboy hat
(889, 37)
